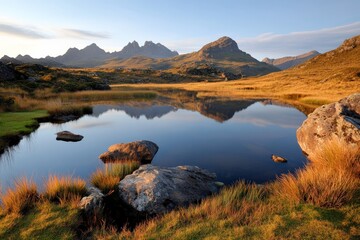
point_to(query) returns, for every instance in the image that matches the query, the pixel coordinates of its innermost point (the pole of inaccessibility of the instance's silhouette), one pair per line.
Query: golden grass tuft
(108, 178)
(21, 198)
(330, 180)
(104, 181)
(64, 189)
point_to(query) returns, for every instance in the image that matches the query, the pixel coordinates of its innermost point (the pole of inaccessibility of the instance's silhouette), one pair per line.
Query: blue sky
(262, 28)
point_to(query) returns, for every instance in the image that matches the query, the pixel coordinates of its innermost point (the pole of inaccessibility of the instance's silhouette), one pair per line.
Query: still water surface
(233, 139)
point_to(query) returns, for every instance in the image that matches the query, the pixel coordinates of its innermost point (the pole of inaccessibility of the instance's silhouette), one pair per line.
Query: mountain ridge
(291, 61)
(222, 55)
(92, 55)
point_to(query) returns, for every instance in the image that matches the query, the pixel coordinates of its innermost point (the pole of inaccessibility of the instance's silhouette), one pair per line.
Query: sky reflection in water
(234, 145)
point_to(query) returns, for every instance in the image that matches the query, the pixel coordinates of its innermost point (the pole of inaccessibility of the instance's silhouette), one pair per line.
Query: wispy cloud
(82, 34)
(21, 31)
(276, 45)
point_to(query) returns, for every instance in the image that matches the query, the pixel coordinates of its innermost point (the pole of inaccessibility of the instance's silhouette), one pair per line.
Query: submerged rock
(155, 190)
(336, 120)
(142, 151)
(68, 136)
(278, 159)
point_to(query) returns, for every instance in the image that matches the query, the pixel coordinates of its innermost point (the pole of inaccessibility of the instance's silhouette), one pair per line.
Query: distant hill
(346, 56)
(336, 71)
(288, 62)
(222, 54)
(89, 56)
(20, 59)
(92, 55)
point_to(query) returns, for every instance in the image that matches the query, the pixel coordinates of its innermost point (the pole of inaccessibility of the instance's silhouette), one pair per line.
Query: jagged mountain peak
(133, 44)
(92, 46)
(149, 43)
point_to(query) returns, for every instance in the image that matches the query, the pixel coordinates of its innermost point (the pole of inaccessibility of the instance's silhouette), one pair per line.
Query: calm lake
(234, 139)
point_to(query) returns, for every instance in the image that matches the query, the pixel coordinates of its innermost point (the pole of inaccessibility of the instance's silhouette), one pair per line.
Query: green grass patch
(14, 123)
(45, 221)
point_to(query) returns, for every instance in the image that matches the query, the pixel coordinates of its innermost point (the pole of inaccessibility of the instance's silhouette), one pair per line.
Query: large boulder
(153, 190)
(142, 151)
(68, 136)
(336, 120)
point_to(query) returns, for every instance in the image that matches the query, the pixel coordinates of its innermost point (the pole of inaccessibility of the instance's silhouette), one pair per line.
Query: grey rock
(142, 151)
(155, 190)
(336, 120)
(68, 136)
(93, 203)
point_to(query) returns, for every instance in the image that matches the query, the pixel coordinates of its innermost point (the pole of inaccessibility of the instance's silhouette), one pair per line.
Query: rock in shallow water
(336, 120)
(278, 159)
(142, 151)
(155, 190)
(68, 136)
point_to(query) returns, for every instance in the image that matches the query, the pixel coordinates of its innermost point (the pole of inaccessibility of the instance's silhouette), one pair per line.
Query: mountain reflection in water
(234, 139)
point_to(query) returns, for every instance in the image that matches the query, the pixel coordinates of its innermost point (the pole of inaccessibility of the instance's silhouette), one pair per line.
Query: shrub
(64, 189)
(21, 198)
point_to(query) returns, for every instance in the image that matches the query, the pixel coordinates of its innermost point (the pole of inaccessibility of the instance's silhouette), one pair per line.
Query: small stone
(278, 159)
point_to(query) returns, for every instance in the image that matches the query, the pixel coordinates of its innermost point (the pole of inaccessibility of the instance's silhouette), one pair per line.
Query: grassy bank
(19, 116)
(321, 201)
(13, 123)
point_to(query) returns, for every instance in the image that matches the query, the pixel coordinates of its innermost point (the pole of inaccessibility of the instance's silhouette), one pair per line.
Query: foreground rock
(336, 120)
(155, 190)
(142, 151)
(68, 136)
(93, 203)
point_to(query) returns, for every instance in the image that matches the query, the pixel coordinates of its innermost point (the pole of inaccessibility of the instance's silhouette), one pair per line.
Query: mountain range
(92, 55)
(218, 57)
(288, 62)
(222, 54)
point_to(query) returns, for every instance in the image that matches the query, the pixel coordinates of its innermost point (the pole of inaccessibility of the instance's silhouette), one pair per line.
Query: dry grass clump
(20, 198)
(108, 178)
(330, 180)
(64, 189)
(105, 182)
